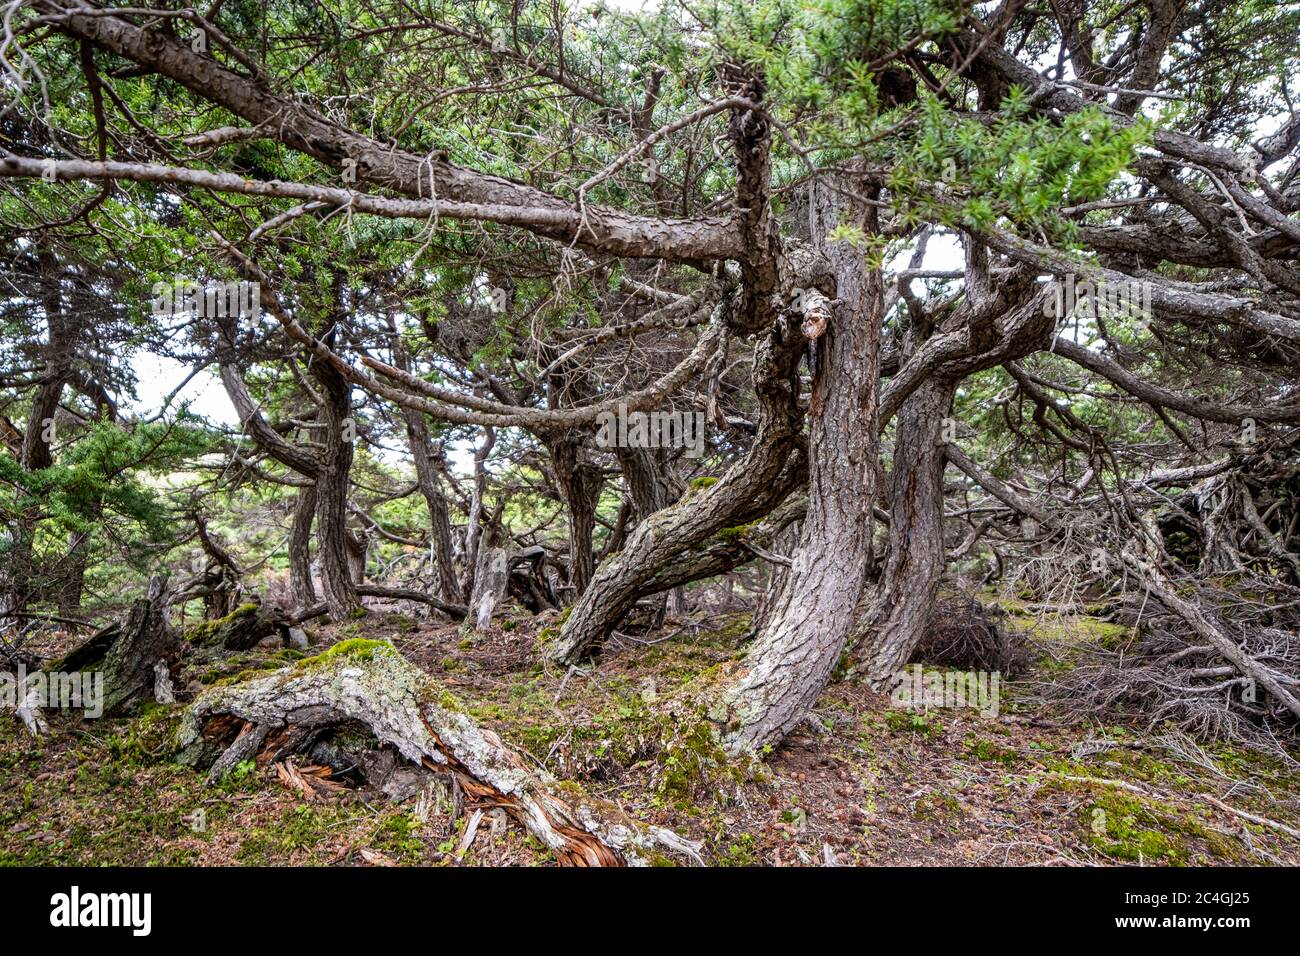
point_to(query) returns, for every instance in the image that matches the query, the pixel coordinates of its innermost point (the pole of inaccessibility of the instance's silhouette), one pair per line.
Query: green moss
(737, 532)
(904, 721)
(693, 763)
(247, 673)
(148, 739)
(448, 701)
(937, 807)
(987, 750)
(301, 829)
(741, 852)
(704, 481)
(203, 631)
(356, 648)
(398, 835)
(1124, 827)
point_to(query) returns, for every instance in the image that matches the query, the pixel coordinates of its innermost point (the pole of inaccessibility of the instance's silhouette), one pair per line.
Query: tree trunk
(579, 482)
(755, 484)
(793, 658)
(22, 577)
(244, 627)
(474, 525)
(338, 585)
(358, 550)
(417, 431)
(301, 585)
(491, 578)
(899, 616)
(653, 487)
(664, 541)
(73, 584)
(129, 655)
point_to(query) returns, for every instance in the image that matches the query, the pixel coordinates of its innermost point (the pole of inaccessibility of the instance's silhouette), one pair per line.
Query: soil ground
(863, 783)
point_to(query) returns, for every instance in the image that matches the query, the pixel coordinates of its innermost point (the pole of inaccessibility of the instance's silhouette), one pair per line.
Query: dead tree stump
(370, 683)
(491, 578)
(135, 657)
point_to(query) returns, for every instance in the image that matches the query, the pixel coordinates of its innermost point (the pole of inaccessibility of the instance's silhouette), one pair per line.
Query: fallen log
(456, 612)
(369, 682)
(244, 627)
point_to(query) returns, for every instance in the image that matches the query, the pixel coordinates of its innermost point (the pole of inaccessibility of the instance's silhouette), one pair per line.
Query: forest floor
(865, 783)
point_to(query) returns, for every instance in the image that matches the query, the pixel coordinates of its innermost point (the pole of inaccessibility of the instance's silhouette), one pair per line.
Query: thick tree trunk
(900, 614)
(301, 585)
(665, 541)
(579, 482)
(338, 584)
(244, 627)
(793, 658)
(134, 657)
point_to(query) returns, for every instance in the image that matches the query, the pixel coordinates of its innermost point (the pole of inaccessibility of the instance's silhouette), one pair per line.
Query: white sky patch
(157, 376)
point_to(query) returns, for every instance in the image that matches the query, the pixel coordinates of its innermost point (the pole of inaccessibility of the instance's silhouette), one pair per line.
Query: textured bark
(128, 654)
(246, 626)
(405, 708)
(426, 475)
(301, 585)
(338, 583)
(791, 661)
(491, 578)
(775, 463)
(899, 616)
(750, 489)
(579, 481)
(653, 487)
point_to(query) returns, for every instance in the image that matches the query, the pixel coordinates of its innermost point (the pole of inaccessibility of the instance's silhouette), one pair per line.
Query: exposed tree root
(370, 683)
